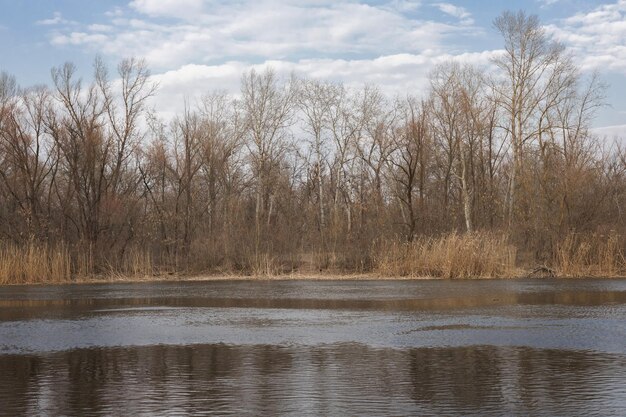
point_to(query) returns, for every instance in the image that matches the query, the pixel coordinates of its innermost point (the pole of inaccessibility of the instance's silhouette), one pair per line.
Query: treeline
(300, 174)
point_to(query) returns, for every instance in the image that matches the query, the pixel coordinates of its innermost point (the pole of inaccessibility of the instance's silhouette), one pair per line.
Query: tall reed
(135, 262)
(264, 265)
(475, 255)
(34, 263)
(591, 255)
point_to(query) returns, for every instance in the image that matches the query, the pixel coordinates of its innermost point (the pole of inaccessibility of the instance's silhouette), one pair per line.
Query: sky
(196, 46)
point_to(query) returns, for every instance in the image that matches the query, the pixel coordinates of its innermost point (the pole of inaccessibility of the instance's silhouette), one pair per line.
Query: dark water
(483, 348)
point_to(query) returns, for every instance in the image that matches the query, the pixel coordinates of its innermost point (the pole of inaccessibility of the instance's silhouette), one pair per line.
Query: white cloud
(611, 132)
(169, 8)
(56, 19)
(78, 38)
(547, 3)
(598, 38)
(456, 11)
(100, 28)
(405, 5)
(398, 74)
(115, 12)
(196, 46)
(197, 31)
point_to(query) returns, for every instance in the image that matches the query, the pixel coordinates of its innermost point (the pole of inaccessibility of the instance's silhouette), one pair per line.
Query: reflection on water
(490, 348)
(324, 380)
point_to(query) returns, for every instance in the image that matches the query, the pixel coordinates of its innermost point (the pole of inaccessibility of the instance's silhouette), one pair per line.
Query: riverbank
(453, 256)
(105, 279)
(300, 276)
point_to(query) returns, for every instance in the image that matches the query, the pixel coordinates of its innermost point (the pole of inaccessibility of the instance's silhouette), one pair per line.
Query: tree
(315, 101)
(536, 74)
(410, 163)
(30, 159)
(96, 141)
(268, 110)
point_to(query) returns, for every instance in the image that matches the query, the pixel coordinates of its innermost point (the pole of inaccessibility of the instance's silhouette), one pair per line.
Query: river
(427, 347)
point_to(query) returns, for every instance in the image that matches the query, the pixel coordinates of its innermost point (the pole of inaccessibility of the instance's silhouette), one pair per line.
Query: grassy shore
(453, 256)
(525, 273)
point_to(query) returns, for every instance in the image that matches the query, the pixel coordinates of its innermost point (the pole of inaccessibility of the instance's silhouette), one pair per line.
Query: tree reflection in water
(320, 380)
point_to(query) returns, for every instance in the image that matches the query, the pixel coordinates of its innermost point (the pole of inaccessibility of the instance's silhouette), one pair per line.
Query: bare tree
(536, 73)
(454, 101)
(29, 157)
(410, 163)
(315, 100)
(268, 108)
(226, 185)
(96, 142)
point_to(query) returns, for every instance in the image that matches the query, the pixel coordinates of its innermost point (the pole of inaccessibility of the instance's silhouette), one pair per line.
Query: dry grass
(138, 262)
(264, 265)
(476, 255)
(135, 263)
(40, 263)
(34, 263)
(83, 264)
(591, 255)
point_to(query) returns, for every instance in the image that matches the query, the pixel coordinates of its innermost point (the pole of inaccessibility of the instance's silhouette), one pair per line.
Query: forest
(489, 172)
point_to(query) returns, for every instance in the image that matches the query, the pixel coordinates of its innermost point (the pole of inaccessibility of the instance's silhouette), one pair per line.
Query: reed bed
(34, 263)
(41, 263)
(134, 263)
(453, 256)
(591, 255)
(475, 255)
(264, 265)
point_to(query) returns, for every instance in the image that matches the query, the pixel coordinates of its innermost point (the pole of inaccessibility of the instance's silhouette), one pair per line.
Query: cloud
(598, 37)
(610, 132)
(56, 19)
(79, 38)
(169, 8)
(547, 3)
(398, 74)
(115, 12)
(405, 5)
(196, 46)
(171, 33)
(456, 11)
(100, 28)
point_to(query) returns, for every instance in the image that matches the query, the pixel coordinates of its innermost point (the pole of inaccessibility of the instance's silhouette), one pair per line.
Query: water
(532, 347)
